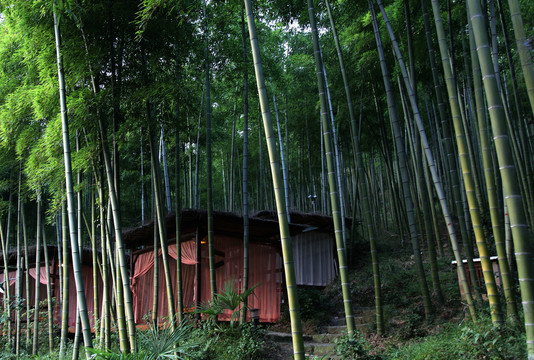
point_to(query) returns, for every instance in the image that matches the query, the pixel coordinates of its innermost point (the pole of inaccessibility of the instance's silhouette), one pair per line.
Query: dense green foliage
(466, 341)
(138, 68)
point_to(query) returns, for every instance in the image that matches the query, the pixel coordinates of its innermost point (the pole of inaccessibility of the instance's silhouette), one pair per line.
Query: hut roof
(322, 222)
(52, 253)
(224, 223)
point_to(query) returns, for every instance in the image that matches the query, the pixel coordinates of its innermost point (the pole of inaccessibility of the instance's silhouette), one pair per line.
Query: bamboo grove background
(415, 118)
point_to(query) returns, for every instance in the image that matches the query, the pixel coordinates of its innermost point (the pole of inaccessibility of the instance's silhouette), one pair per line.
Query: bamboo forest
(284, 179)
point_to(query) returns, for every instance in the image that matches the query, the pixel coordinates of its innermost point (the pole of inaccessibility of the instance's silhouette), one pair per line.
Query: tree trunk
(524, 53)
(246, 247)
(64, 278)
(330, 161)
(76, 263)
(485, 146)
(523, 245)
(35, 346)
(7, 294)
(287, 251)
(50, 309)
(432, 166)
(408, 200)
(467, 171)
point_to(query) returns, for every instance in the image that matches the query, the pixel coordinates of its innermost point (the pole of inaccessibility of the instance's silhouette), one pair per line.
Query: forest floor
(407, 333)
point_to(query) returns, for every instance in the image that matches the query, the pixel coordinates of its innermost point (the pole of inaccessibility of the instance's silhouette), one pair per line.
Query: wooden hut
(313, 246)
(265, 267)
(479, 274)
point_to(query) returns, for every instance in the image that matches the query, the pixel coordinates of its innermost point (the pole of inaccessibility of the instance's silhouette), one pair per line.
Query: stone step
(364, 309)
(342, 329)
(364, 328)
(319, 349)
(324, 338)
(338, 321)
(315, 351)
(322, 357)
(364, 319)
(281, 337)
(365, 316)
(336, 329)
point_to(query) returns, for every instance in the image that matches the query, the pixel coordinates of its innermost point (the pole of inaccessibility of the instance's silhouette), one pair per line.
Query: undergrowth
(469, 341)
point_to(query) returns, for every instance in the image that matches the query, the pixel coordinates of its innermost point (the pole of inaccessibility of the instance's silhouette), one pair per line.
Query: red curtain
(188, 252)
(42, 273)
(143, 280)
(87, 277)
(11, 275)
(265, 270)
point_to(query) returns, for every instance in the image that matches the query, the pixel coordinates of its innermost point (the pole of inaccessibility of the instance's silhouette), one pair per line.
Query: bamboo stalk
(510, 182)
(287, 251)
(332, 182)
(76, 263)
(430, 160)
(467, 171)
(35, 345)
(408, 200)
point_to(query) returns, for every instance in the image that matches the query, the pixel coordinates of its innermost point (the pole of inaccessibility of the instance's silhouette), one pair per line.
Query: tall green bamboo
(450, 174)
(18, 287)
(96, 272)
(178, 224)
(467, 170)
(282, 157)
(209, 176)
(287, 251)
(246, 245)
(26, 271)
(105, 333)
(49, 307)
(408, 201)
(451, 163)
(7, 294)
(231, 172)
(431, 164)
(123, 297)
(35, 345)
(520, 230)
(76, 263)
(332, 182)
(161, 222)
(155, 251)
(126, 299)
(524, 54)
(64, 279)
(426, 205)
(511, 68)
(76, 343)
(491, 189)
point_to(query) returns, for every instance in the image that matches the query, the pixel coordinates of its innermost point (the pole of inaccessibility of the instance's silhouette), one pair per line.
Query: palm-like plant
(157, 344)
(228, 299)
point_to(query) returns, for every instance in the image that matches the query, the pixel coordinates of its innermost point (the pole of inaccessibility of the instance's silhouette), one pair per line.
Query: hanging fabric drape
(87, 276)
(42, 273)
(265, 270)
(314, 259)
(188, 252)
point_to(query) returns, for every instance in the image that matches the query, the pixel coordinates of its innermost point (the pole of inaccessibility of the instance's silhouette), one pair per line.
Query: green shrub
(470, 341)
(314, 305)
(223, 342)
(354, 348)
